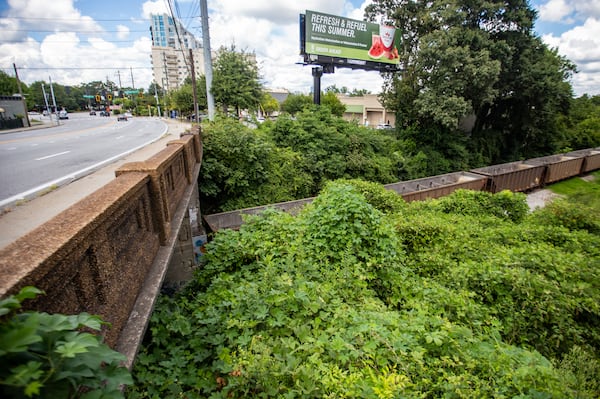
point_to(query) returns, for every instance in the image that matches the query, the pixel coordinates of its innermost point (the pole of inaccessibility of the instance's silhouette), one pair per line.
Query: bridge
(109, 253)
(112, 252)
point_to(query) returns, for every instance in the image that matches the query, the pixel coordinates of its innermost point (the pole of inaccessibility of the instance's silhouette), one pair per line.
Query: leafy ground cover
(49, 356)
(362, 295)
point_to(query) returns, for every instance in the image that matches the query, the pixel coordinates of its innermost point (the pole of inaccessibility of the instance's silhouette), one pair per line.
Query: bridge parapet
(97, 255)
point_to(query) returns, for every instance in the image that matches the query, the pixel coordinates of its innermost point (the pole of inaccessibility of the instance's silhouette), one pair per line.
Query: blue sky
(99, 40)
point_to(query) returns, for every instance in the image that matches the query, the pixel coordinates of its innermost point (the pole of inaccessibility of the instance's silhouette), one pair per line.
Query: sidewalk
(21, 219)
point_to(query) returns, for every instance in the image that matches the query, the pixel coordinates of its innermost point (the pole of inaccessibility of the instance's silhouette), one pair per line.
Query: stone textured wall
(95, 256)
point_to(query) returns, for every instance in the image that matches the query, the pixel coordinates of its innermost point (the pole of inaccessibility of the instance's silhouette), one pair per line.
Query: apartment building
(171, 46)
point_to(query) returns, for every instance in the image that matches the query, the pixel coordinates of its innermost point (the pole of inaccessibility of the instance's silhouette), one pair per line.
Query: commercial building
(171, 45)
(367, 110)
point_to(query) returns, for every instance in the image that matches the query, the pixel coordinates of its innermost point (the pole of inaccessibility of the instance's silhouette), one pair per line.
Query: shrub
(46, 356)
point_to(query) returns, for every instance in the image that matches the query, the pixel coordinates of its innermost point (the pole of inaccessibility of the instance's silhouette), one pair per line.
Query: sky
(78, 41)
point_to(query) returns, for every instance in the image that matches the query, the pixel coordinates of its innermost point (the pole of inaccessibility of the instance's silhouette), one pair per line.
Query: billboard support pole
(317, 72)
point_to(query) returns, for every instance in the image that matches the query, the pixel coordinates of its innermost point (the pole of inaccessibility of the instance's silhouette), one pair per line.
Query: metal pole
(21, 94)
(208, 72)
(317, 72)
(54, 101)
(46, 101)
(157, 102)
(194, 91)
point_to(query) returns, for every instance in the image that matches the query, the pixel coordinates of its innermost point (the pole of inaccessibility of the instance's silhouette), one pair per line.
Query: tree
(236, 79)
(268, 103)
(329, 99)
(336, 90)
(295, 103)
(480, 59)
(182, 99)
(8, 84)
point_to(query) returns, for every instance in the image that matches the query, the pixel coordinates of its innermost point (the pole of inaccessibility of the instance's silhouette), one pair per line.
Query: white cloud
(122, 32)
(154, 7)
(568, 11)
(270, 29)
(60, 14)
(581, 45)
(555, 10)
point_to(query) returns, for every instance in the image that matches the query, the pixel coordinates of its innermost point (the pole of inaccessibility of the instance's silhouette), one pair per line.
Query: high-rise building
(171, 45)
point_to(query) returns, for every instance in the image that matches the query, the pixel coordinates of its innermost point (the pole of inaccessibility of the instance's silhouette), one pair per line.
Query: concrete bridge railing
(109, 253)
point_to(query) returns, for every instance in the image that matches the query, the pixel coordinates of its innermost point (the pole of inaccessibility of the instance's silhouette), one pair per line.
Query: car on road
(104, 113)
(63, 114)
(122, 117)
(92, 112)
(384, 126)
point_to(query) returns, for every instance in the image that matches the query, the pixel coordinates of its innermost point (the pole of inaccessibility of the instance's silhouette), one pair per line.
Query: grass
(586, 192)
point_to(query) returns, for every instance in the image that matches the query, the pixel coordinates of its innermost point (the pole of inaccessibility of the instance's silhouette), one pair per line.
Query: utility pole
(132, 84)
(46, 101)
(207, 59)
(194, 91)
(157, 102)
(54, 101)
(21, 94)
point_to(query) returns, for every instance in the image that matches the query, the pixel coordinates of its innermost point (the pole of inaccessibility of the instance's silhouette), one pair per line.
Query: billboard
(332, 37)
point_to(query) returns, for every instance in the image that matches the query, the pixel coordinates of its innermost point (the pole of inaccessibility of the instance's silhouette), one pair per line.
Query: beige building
(171, 45)
(366, 110)
(171, 66)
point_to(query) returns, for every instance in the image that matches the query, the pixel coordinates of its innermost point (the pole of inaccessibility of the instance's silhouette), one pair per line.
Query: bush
(345, 300)
(47, 356)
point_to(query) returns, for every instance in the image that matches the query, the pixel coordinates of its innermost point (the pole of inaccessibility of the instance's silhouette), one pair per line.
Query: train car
(558, 167)
(233, 219)
(438, 186)
(514, 176)
(591, 159)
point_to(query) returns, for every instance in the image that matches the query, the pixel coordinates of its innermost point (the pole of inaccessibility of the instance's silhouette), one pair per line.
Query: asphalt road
(33, 161)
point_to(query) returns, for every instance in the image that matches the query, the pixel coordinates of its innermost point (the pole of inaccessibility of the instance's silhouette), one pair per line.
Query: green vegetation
(48, 356)
(236, 80)
(288, 159)
(580, 206)
(476, 69)
(364, 295)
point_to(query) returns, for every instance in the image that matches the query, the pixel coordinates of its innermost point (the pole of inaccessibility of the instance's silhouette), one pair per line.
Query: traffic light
(109, 97)
(98, 98)
(140, 94)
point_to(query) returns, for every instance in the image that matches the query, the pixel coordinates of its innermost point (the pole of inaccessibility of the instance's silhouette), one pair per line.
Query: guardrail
(108, 253)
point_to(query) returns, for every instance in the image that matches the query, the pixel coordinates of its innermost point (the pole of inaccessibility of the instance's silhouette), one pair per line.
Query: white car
(63, 114)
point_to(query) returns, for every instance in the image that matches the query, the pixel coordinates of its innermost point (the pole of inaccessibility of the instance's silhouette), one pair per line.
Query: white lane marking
(35, 144)
(79, 173)
(120, 137)
(11, 148)
(52, 156)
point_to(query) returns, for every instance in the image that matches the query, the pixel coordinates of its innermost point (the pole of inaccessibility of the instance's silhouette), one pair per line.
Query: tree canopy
(8, 84)
(236, 81)
(479, 60)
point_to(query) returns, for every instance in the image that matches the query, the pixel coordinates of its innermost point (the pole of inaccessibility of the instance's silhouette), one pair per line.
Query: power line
(75, 68)
(69, 31)
(67, 41)
(79, 19)
(176, 23)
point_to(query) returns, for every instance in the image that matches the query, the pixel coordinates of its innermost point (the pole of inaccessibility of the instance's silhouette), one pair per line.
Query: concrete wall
(108, 254)
(12, 106)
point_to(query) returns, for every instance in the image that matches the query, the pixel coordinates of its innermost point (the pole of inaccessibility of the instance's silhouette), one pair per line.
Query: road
(34, 161)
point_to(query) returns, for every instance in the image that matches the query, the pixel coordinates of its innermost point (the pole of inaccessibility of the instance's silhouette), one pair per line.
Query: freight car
(521, 176)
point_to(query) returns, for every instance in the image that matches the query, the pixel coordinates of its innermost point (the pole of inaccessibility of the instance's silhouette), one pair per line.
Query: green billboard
(339, 37)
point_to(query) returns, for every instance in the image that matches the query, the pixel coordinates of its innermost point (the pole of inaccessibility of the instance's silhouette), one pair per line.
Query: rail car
(520, 176)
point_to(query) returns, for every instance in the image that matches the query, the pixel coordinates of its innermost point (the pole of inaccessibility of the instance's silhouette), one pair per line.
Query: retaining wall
(97, 255)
